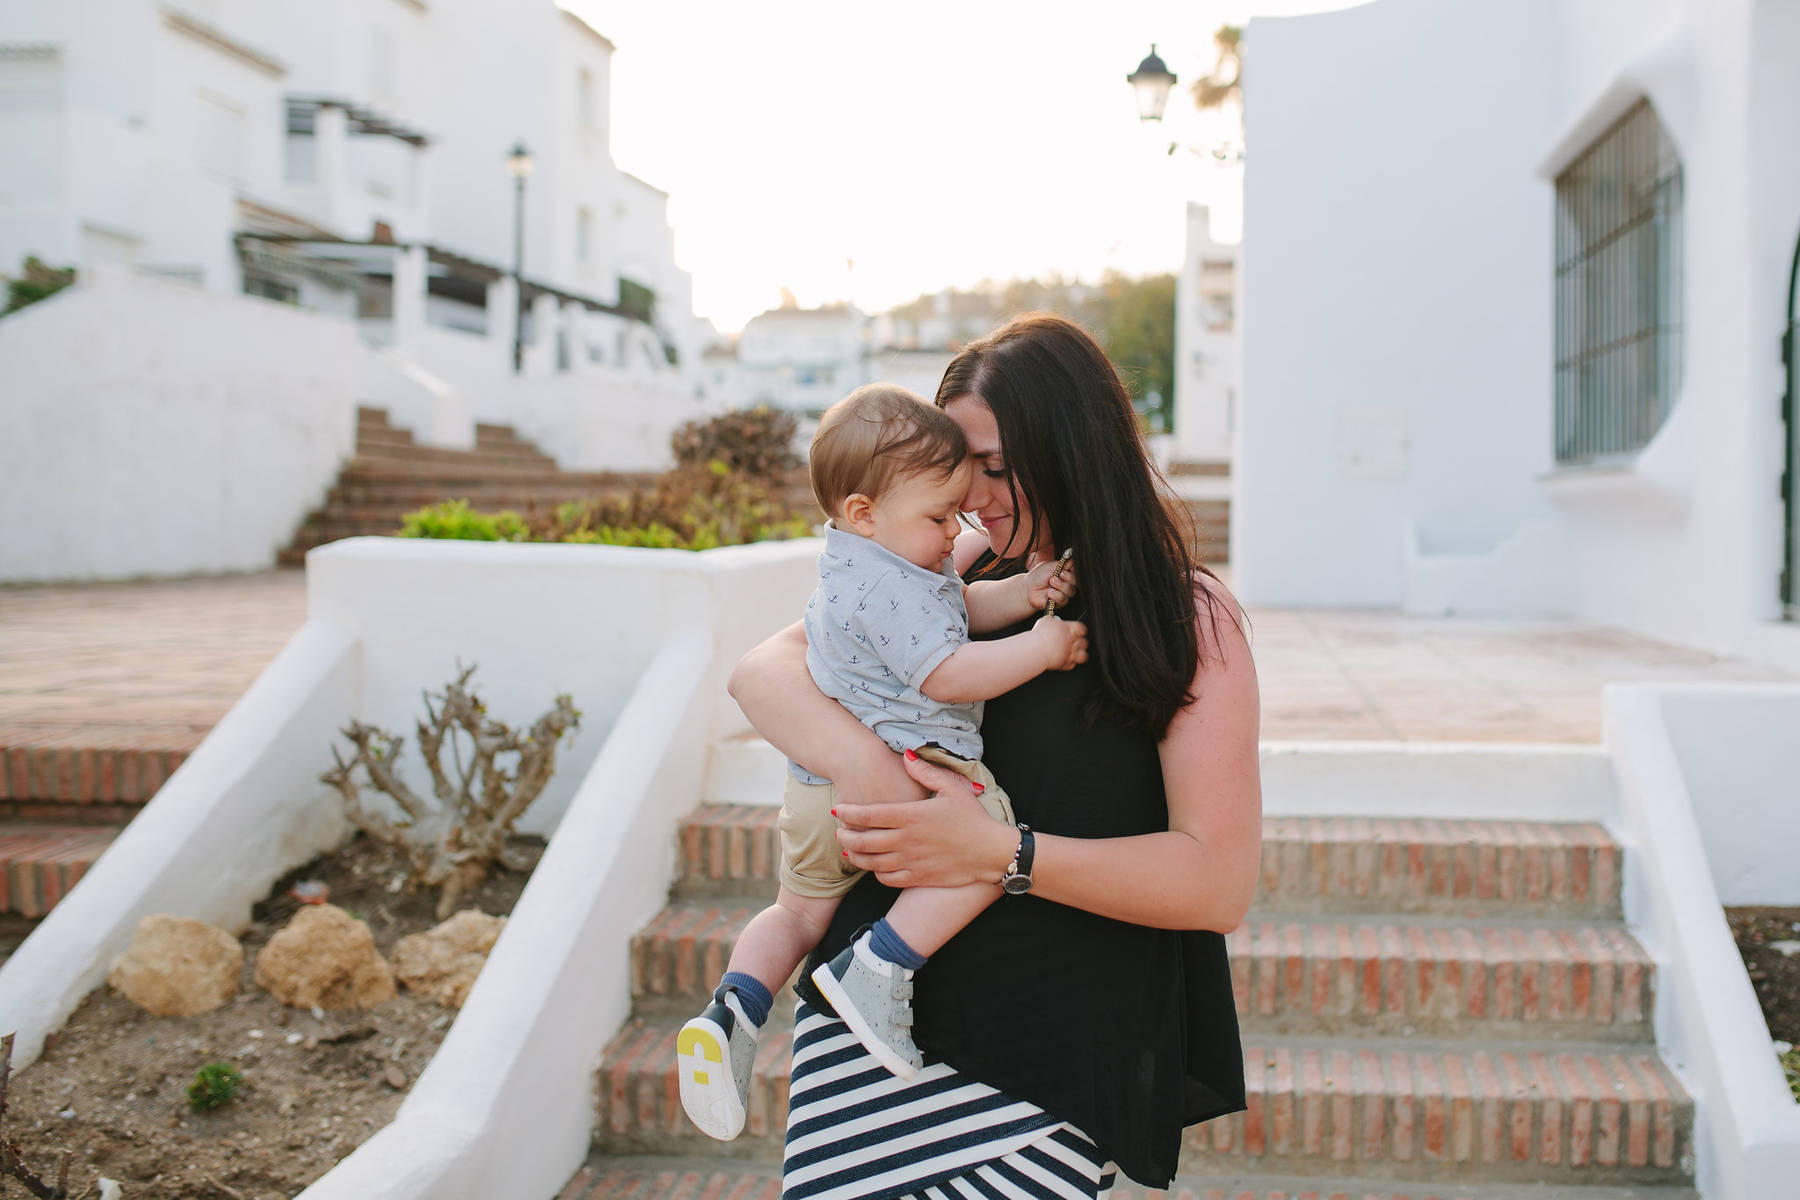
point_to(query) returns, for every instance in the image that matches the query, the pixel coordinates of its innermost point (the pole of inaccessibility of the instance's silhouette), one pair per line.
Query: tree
(1226, 82)
(1136, 327)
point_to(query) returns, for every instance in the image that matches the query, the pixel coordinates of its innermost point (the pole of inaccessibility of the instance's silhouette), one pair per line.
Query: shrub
(696, 508)
(37, 282)
(214, 1084)
(758, 442)
(455, 520)
(454, 836)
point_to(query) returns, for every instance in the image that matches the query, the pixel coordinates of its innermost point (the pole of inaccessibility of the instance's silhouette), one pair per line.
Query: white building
(1518, 278)
(323, 189)
(804, 359)
(1207, 371)
(232, 143)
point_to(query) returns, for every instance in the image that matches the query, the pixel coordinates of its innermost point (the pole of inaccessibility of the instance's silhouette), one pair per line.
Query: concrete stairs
(391, 476)
(61, 806)
(1430, 1009)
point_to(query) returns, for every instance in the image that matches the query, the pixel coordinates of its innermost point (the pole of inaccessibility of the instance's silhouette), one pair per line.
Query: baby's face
(916, 517)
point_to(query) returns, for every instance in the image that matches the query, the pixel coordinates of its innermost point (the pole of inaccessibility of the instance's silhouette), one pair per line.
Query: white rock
(1786, 948)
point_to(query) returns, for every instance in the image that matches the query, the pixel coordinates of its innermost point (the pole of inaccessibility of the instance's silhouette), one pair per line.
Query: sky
(874, 152)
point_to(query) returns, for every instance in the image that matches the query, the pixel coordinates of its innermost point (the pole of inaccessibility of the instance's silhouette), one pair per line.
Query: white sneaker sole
(828, 983)
(708, 1092)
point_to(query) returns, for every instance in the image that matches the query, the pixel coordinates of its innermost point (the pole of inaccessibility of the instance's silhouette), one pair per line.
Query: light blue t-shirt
(876, 628)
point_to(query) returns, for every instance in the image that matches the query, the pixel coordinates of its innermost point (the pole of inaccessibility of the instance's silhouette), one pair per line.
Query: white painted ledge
(245, 807)
(1708, 1022)
(506, 1107)
(1444, 780)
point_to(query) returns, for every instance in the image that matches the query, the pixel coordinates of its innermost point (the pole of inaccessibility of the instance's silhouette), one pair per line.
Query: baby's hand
(1043, 582)
(1065, 642)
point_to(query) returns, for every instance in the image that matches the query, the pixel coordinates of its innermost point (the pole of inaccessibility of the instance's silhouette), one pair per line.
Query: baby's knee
(811, 913)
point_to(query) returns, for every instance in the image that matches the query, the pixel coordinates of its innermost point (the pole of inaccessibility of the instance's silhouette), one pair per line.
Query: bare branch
(452, 844)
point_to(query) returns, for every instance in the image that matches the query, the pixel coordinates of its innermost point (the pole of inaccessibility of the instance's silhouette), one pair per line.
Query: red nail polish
(834, 812)
(911, 757)
(979, 788)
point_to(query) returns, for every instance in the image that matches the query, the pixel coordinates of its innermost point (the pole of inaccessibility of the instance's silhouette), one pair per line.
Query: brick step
(1418, 976)
(1376, 1107)
(484, 496)
(434, 458)
(40, 863)
(639, 1105)
(460, 471)
(1335, 866)
(606, 1177)
(1409, 865)
(105, 781)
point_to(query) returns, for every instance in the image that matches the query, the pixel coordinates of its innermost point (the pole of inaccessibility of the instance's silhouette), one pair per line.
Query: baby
(887, 636)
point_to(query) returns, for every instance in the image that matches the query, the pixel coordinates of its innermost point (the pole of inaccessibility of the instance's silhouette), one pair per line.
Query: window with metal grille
(1619, 281)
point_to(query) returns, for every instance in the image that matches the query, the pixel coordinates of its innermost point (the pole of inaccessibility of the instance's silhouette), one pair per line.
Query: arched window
(1619, 288)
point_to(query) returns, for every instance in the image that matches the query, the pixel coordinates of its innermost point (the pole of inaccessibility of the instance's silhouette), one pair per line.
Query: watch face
(1016, 885)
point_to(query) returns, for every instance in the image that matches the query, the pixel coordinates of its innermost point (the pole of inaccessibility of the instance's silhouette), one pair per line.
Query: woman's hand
(945, 840)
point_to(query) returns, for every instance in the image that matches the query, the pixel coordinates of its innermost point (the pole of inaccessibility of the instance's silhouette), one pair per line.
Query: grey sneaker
(714, 1053)
(874, 997)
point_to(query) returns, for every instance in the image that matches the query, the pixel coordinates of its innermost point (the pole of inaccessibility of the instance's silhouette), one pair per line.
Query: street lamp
(518, 165)
(1151, 81)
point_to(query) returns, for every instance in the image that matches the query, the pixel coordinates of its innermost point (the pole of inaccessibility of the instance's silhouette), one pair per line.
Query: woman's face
(990, 496)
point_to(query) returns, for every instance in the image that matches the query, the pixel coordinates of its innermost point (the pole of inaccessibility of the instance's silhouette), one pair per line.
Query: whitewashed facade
(803, 359)
(1208, 376)
(339, 162)
(1399, 441)
(228, 142)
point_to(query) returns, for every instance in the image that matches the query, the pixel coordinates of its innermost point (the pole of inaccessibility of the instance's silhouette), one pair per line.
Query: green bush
(214, 1084)
(37, 282)
(455, 520)
(695, 508)
(758, 442)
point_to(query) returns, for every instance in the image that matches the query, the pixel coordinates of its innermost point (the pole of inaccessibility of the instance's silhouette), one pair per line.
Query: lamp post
(518, 165)
(1151, 81)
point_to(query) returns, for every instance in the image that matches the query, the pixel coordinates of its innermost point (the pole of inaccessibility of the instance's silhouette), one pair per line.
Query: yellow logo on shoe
(699, 1043)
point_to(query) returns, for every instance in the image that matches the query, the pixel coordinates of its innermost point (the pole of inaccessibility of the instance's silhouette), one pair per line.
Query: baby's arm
(983, 670)
(996, 603)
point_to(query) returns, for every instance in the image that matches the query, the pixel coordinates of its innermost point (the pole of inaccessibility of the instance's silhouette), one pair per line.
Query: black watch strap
(1017, 880)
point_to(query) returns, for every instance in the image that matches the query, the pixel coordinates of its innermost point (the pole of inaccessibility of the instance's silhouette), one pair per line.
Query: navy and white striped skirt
(856, 1132)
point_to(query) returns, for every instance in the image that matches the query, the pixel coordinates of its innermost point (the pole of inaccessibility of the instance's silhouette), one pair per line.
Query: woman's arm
(777, 693)
(1201, 874)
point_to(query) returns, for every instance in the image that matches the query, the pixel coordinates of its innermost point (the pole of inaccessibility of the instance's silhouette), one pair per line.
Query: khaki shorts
(812, 862)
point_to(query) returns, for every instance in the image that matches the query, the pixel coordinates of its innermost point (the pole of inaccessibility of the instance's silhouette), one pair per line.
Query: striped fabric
(857, 1132)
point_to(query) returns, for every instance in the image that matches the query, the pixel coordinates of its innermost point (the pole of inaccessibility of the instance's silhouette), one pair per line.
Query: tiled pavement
(151, 665)
(156, 664)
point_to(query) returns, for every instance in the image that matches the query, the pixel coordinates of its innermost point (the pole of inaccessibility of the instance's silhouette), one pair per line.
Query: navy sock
(888, 945)
(752, 995)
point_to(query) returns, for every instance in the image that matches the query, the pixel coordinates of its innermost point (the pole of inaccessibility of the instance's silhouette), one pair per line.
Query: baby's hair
(871, 438)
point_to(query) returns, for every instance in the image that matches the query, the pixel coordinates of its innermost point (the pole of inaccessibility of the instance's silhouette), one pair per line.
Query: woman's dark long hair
(1069, 435)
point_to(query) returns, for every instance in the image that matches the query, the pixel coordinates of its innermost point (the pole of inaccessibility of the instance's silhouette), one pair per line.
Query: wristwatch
(1017, 879)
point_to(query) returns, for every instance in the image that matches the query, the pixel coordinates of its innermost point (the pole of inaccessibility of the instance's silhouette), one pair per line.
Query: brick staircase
(1204, 488)
(391, 476)
(61, 805)
(1430, 1009)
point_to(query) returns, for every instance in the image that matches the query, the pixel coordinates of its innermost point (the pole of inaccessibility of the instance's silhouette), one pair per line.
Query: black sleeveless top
(1128, 1033)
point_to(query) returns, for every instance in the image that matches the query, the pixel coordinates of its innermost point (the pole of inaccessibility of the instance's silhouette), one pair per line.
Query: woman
(1085, 1022)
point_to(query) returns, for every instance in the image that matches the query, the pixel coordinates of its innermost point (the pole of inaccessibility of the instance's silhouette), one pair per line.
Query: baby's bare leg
(779, 937)
(927, 917)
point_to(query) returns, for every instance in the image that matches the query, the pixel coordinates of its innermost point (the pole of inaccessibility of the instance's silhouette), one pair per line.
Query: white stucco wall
(153, 428)
(1396, 445)
(544, 619)
(1208, 370)
(1392, 225)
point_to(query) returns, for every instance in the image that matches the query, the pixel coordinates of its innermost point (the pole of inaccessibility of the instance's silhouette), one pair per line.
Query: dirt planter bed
(111, 1086)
